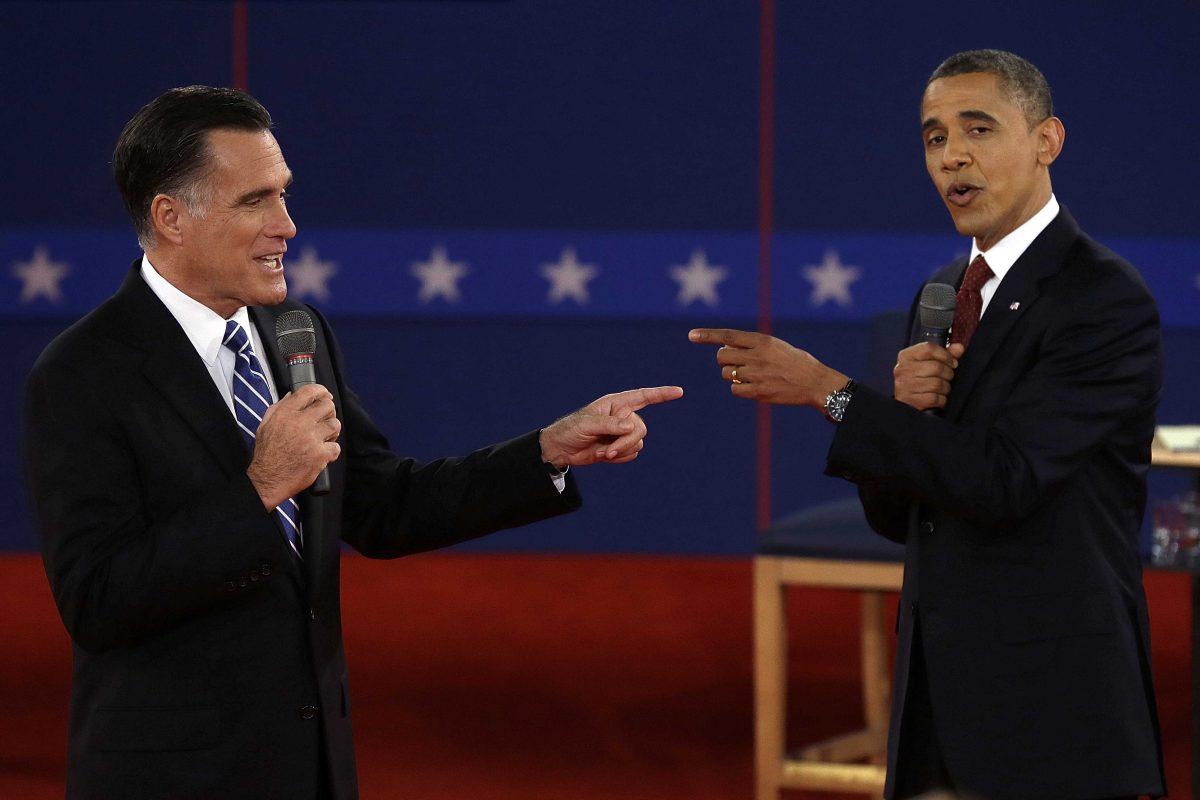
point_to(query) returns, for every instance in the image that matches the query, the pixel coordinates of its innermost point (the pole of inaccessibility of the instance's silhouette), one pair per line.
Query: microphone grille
(295, 334)
(937, 305)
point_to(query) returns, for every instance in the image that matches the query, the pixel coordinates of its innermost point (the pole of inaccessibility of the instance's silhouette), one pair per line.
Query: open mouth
(271, 262)
(961, 194)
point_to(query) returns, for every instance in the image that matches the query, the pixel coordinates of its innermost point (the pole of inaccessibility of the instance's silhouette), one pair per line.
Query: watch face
(837, 405)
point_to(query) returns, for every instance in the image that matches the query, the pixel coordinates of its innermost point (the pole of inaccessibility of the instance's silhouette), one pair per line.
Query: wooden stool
(829, 546)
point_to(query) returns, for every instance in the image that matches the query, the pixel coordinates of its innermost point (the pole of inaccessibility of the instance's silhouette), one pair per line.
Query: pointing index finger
(723, 336)
(637, 399)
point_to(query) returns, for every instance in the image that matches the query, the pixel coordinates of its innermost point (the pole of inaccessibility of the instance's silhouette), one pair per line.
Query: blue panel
(440, 387)
(519, 114)
(507, 132)
(73, 73)
(850, 75)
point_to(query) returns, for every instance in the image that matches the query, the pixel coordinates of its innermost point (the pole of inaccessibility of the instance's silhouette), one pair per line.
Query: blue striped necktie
(251, 397)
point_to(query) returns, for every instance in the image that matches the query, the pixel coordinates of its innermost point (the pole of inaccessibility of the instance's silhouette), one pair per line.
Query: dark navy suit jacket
(208, 660)
(1020, 507)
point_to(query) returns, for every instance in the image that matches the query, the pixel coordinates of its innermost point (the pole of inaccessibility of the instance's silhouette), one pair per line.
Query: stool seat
(834, 530)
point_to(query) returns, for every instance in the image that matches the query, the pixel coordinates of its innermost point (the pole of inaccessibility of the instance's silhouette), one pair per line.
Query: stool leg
(876, 683)
(770, 677)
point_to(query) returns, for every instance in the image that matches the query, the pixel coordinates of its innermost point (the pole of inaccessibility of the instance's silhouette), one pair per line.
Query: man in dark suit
(1023, 665)
(168, 466)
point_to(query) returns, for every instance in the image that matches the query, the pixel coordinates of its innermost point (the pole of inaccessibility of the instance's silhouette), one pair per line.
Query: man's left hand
(607, 429)
(761, 367)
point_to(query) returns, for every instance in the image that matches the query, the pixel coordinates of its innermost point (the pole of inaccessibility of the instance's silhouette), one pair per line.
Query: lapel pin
(1015, 306)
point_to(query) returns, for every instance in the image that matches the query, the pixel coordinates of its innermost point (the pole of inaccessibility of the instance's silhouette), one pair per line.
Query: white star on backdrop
(439, 276)
(698, 280)
(568, 278)
(309, 275)
(40, 276)
(831, 280)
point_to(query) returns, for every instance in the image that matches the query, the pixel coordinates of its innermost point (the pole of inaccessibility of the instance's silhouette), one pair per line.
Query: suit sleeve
(396, 506)
(118, 575)
(1099, 366)
(885, 502)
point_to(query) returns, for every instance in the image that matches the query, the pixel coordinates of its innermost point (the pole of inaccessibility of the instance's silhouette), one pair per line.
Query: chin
(964, 224)
(272, 296)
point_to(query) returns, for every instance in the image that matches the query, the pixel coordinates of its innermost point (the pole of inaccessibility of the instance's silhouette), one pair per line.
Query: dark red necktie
(969, 306)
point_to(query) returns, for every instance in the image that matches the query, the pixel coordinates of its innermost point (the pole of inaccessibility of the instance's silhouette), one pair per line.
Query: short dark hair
(1023, 82)
(163, 149)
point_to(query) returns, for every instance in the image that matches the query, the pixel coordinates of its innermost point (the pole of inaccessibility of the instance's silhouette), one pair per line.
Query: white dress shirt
(205, 329)
(1004, 253)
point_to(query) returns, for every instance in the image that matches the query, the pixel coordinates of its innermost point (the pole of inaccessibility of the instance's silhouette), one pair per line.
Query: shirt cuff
(560, 479)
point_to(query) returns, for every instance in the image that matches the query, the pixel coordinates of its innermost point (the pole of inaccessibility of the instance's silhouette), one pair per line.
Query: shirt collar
(1004, 253)
(204, 327)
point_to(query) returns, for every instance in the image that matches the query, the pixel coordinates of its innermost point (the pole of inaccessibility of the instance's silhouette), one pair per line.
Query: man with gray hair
(197, 574)
(1012, 464)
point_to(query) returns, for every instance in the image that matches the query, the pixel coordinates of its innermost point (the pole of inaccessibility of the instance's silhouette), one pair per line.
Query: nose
(280, 225)
(956, 154)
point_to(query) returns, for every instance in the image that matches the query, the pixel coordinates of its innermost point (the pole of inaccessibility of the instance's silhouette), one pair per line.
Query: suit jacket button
(265, 570)
(230, 586)
(926, 527)
(308, 712)
(312, 614)
(242, 581)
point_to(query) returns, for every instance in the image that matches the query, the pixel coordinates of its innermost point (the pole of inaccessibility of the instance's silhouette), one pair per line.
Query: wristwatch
(836, 403)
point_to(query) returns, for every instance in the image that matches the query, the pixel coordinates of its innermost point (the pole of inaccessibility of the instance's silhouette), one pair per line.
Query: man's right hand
(295, 440)
(923, 374)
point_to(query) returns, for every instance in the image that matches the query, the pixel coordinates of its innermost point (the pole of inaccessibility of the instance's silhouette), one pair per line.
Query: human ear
(166, 217)
(1051, 135)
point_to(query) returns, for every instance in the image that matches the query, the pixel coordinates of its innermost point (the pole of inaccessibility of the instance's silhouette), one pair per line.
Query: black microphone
(937, 313)
(298, 341)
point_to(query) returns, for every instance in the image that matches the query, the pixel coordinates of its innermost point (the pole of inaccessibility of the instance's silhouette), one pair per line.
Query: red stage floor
(543, 677)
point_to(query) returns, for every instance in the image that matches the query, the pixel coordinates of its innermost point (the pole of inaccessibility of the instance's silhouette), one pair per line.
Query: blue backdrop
(508, 208)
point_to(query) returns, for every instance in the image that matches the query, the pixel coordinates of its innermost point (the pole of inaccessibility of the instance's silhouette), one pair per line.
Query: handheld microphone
(298, 342)
(937, 313)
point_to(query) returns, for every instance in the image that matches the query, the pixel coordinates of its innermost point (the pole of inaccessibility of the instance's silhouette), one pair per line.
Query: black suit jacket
(1020, 507)
(208, 659)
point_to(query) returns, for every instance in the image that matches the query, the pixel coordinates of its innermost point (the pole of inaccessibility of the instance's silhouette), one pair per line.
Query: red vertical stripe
(766, 198)
(238, 47)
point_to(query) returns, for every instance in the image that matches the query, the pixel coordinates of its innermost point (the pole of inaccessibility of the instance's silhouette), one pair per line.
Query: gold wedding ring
(733, 375)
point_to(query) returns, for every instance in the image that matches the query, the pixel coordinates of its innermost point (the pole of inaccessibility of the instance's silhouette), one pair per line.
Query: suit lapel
(1016, 293)
(264, 320)
(176, 371)
(311, 508)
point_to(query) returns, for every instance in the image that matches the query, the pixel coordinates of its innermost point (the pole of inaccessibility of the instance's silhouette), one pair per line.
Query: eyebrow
(975, 114)
(255, 194)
